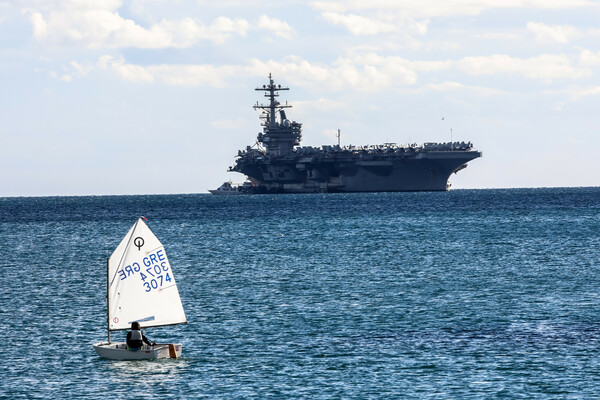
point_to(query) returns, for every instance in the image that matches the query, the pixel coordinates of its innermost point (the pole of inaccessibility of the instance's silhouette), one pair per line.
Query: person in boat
(136, 339)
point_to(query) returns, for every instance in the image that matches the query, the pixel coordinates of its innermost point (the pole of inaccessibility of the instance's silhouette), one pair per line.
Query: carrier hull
(348, 173)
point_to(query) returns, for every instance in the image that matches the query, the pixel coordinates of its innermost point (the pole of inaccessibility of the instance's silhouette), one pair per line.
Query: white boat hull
(226, 192)
(118, 351)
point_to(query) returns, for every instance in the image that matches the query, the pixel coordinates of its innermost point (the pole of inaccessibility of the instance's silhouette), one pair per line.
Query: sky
(152, 97)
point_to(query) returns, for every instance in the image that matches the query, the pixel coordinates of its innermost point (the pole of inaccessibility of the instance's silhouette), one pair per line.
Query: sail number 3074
(154, 273)
(155, 276)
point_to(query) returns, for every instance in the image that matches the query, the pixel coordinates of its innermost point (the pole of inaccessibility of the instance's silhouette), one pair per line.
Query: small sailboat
(140, 286)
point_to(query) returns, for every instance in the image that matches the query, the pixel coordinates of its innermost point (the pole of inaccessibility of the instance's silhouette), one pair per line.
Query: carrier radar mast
(272, 92)
(279, 137)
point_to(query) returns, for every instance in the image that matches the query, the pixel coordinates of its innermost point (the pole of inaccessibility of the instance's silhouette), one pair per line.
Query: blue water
(465, 294)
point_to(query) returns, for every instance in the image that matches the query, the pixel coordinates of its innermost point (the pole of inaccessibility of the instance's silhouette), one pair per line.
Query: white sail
(141, 283)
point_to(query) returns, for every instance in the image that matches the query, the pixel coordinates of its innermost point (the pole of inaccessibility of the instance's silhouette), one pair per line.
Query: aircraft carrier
(278, 164)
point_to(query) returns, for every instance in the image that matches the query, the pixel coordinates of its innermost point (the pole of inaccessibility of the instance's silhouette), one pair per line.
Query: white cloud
(193, 75)
(70, 5)
(128, 72)
(545, 67)
(223, 26)
(456, 86)
(576, 93)
(99, 25)
(171, 75)
(441, 8)
(321, 104)
(419, 27)
(572, 93)
(81, 69)
(342, 74)
(63, 77)
(445, 86)
(358, 25)
(553, 33)
(280, 28)
(359, 71)
(40, 29)
(368, 74)
(394, 63)
(499, 36)
(591, 91)
(593, 32)
(589, 59)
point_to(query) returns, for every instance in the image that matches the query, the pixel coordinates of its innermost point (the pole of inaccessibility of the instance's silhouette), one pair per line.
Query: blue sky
(134, 97)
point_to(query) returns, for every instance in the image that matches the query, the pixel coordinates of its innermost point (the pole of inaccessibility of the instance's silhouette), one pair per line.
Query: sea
(466, 294)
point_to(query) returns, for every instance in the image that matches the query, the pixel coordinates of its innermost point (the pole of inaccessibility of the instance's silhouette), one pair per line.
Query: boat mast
(107, 299)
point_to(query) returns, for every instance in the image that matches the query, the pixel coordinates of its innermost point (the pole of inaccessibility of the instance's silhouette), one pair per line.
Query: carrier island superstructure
(278, 164)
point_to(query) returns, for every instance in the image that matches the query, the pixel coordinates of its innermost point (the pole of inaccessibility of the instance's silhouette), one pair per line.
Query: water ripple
(465, 294)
